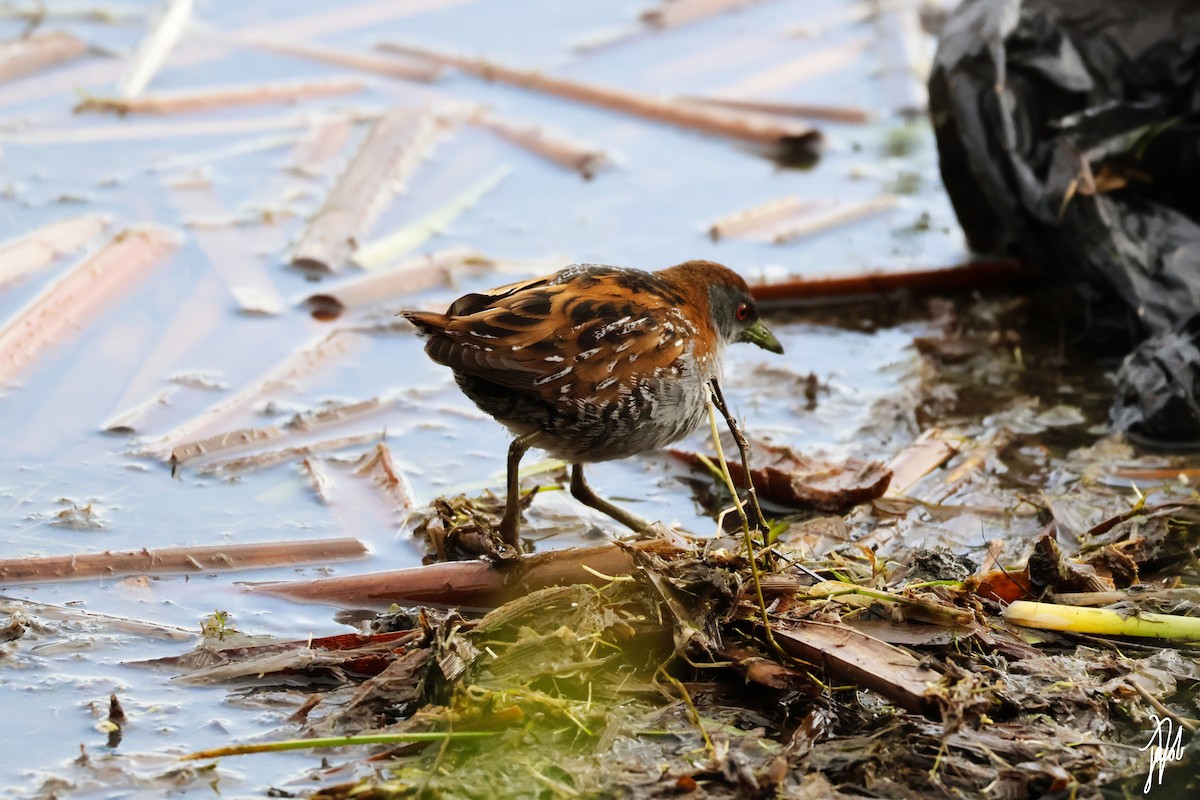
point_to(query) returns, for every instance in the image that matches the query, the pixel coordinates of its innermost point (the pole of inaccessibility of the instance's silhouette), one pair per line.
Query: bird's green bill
(759, 335)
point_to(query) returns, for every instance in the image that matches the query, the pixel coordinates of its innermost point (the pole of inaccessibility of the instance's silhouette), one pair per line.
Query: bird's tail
(427, 322)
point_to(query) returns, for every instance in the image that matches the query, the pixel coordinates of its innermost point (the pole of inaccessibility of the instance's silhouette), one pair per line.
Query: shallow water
(650, 210)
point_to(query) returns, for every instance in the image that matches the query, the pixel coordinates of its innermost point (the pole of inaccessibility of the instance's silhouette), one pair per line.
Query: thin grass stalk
(741, 511)
(744, 451)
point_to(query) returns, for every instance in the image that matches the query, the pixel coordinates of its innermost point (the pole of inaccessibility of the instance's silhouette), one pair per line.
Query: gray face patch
(723, 302)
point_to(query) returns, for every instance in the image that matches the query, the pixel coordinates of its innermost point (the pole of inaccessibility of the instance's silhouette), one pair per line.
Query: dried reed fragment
(804, 110)
(191, 100)
(604, 38)
(322, 142)
(63, 306)
(42, 247)
(333, 414)
(674, 13)
(581, 157)
(664, 16)
(760, 216)
(389, 67)
(95, 620)
(971, 276)
(299, 364)
(334, 18)
(376, 253)
(128, 421)
(229, 253)
(841, 214)
(407, 277)
(389, 153)
(270, 458)
(230, 441)
(380, 469)
(160, 130)
(38, 52)
(470, 584)
(38, 13)
(920, 458)
(167, 560)
(226, 442)
(787, 139)
(321, 481)
(782, 75)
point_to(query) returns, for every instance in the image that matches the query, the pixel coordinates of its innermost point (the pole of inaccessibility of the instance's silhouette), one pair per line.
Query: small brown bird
(594, 363)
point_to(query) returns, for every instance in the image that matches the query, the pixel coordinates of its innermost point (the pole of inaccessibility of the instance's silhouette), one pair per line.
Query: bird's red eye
(743, 311)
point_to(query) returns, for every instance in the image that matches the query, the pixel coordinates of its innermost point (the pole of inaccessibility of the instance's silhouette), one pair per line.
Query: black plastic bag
(1069, 135)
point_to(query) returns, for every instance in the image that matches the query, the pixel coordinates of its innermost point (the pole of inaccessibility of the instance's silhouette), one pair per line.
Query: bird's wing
(581, 334)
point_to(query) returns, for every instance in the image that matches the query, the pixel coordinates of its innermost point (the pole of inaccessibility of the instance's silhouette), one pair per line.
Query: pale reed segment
(191, 100)
(594, 41)
(64, 306)
(379, 468)
(169, 560)
(752, 128)
(380, 252)
(388, 155)
(318, 477)
(39, 52)
(162, 129)
(97, 621)
(929, 452)
(782, 75)
(40, 248)
(681, 12)
(130, 420)
(305, 361)
(156, 45)
(332, 19)
(842, 214)
(42, 13)
(226, 442)
(324, 140)
(270, 458)
(944, 484)
(407, 277)
(857, 14)
(245, 438)
(378, 65)
(848, 114)
(228, 251)
(761, 216)
(312, 162)
(582, 157)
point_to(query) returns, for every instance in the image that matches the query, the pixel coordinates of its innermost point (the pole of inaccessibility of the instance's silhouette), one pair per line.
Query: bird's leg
(584, 494)
(510, 526)
(760, 521)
